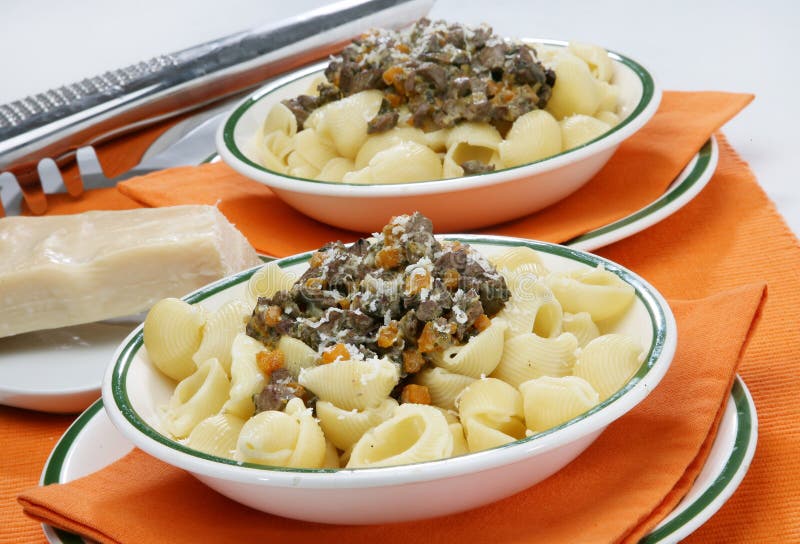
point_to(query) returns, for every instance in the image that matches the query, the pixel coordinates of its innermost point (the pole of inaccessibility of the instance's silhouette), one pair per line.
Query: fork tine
(50, 177)
(91, 171)
(10, 195)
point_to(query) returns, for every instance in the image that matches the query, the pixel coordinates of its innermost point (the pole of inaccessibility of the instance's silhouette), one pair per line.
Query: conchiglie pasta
(197, 397)
(491, 414)
(246, 378)
(173, 330)
(415, 433)
(352, 384)
(268, 280)
(335, 169)
(220, 329)
(291, 438)
(595, 57)
(479, 356)
(442, 385)
(216, 435)
(280, 119)
(550, 401)
(296, 355)
(608, 117)
(577, 130)
(344, 122)
(608, 362)
(519, 258)
(596, 290)
(402, 163)
(532, 307)
(472, 141)
(312, 148)
(582, 326)
(345, 427)
(575, 89)
(275, 150)
(529, 356)
(609, 98)
(533, 136)
(376, 143)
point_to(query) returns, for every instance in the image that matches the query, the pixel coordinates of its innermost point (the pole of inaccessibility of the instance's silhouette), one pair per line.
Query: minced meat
(443, 73)
(400, 294)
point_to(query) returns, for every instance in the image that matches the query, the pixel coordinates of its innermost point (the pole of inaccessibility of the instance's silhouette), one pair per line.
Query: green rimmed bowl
(134, 392)
(454, 205)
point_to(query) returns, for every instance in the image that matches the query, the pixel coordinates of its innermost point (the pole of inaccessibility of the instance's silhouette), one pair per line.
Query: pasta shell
(296, 355)
(529, 356)
(443, 386)
(345, 427)
(173, 330)
(532, 307)
(594, 290)
(268, 280)
(352, 385)
(415, 433)
(216, 435)
(575, 89)
(582, 326)
(533, 136)
(219, 331)
(608, 362)
(549, 401)
(491, 414)
(246, 378)
(577, 130)
(376, 143)
(280, 119)
(291, 438)
(197, 397)
(479, 356)
(595, 57)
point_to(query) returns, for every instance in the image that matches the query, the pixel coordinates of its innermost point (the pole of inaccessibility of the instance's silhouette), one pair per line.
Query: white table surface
(734, 45)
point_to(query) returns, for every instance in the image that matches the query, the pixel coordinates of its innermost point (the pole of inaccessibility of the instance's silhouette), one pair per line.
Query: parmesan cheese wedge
(64, 270)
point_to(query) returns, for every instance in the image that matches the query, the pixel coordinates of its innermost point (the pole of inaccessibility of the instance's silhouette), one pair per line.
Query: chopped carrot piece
(417, 394)
(269, 361)
(412, 361)
(451, 278)
(403, 48)
(390, 75)
(482, 322)
(387, 335)
(315, 283)
(388, 257)
(316, 259)
(417, 280)
(338, 351)
(273, 315)
(394, 99)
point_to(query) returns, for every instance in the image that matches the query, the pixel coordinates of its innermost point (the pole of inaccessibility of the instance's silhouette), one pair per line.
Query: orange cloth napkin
(639, 172)
(638, 466)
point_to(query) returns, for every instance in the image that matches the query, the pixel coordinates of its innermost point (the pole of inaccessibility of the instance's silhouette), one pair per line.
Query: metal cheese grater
(54, 124)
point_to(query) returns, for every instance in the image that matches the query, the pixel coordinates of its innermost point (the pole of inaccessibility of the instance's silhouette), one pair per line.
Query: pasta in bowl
(521, 125)
(391, 408)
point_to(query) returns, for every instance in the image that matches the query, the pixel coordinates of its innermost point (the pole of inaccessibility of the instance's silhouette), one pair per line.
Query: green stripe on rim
(643, 292)
(55, 463)
(742, 443)
(646, 79)
(701, 165)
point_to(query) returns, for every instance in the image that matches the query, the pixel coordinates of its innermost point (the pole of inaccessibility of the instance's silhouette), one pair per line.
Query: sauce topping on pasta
(400, 294)
(443, 73)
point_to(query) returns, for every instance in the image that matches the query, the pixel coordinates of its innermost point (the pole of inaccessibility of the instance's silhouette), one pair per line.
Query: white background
(740, 46)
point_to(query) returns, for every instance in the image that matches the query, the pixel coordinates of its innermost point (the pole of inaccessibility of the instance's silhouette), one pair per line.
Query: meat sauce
(443, 73)
(400, 294)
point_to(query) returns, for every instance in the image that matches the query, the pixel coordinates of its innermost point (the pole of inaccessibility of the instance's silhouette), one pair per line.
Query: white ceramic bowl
(133, 392)
(454, 205)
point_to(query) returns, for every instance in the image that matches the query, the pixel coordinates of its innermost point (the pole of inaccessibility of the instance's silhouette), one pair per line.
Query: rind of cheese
(64, 270)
